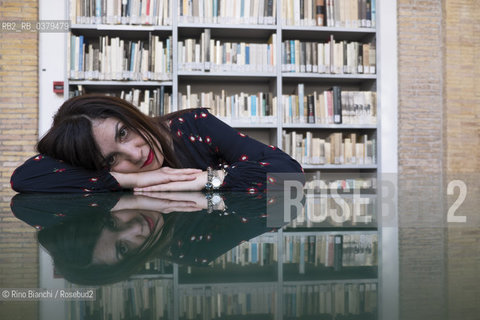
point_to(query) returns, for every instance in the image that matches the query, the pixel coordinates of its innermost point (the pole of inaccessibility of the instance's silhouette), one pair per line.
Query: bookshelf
(184, 83)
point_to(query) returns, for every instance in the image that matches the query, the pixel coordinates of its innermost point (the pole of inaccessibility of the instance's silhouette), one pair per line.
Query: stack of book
(336, 57)
(337, 251)
(207, 54)
(116, 59)
(332, 106)
(227, 11)
(249, 253)
(349, 300)
(219, 302)
(148, 299)
(153, 102)
(330, 13)
(242, 107)
(152, 12)
(337, 148)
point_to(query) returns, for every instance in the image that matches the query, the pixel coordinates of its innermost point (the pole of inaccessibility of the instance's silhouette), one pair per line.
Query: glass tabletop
(324, 254)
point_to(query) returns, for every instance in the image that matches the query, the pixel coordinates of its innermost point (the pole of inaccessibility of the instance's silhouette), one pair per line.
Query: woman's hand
(196, 184)
(164, 175)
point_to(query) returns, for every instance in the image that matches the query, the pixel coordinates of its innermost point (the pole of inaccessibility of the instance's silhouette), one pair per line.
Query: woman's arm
(45, 174)
(248, 160)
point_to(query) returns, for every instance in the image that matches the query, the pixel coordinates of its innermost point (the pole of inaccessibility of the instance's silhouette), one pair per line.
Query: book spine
(337, 105)
(320, 12)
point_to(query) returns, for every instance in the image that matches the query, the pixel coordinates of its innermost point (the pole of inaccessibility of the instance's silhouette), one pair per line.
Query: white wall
(52, 52)
(387, 86)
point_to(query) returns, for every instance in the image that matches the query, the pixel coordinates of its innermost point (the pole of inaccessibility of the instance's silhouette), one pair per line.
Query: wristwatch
(213, 200)
(213, 181)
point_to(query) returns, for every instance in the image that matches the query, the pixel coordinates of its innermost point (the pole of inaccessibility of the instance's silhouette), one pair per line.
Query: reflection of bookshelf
(255, 260)
(349, 300)
(222, 301)
(148, 299)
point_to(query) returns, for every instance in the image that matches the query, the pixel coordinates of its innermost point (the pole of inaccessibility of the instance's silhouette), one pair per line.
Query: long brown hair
(70, 138)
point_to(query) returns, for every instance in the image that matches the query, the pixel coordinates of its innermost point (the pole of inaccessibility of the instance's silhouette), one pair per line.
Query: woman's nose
(133, 153)
(135, 234)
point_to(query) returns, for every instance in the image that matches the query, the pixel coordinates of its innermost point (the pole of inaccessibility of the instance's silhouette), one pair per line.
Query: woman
(100, 143)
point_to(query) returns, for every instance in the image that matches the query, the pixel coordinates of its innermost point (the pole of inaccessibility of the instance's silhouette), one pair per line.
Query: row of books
(227, 11)
(108, 58)
(147, 299)
(248, 253)
(317, 184)
(332, 106)
(336, 211)
(157, 266)
(337, 251)
(330, 299)
(334, 149)
(207, 54)
(242, 107)
(338, 57)
(153, 102)
(152, 12)
(330, 13)
(224, 302)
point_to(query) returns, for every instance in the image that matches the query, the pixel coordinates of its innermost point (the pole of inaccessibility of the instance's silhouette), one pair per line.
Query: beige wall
(18, 134)
(420, 150)
(462, 153)
(439, 127)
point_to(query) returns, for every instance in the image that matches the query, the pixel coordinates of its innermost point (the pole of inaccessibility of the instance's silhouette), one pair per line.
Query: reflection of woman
(101, 143)
(97, 239)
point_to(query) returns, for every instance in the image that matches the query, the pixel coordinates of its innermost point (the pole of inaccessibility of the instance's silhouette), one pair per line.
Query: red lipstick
(151, 224)
(149, 160)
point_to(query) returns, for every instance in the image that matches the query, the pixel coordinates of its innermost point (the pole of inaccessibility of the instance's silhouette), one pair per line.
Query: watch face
(216, 182)
(216, 199)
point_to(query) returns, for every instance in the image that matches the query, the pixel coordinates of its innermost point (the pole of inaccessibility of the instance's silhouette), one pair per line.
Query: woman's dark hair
(71, 246)
(70, 138)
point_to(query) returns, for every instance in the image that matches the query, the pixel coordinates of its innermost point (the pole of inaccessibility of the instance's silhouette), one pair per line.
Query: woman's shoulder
(186, 116)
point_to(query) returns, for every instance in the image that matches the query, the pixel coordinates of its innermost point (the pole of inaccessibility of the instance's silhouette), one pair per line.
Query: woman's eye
(111, 223)
(122, 249)
(122, 133)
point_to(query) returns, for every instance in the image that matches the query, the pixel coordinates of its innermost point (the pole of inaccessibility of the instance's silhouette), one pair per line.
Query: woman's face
(124, 149)
(125, 233)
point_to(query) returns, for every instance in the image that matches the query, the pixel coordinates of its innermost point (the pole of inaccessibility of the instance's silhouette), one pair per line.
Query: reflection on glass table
(197, 256)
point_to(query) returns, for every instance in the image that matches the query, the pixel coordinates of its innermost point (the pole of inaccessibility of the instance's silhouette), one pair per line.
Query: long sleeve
(211, 142)
(44, 174)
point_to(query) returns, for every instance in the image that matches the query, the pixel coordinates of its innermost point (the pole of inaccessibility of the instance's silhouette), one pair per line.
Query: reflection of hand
(196, 184)
(160, 176)
(198, 198)
(163, 202)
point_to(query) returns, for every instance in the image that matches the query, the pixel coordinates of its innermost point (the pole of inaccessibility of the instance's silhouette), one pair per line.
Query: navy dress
(200, 140)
